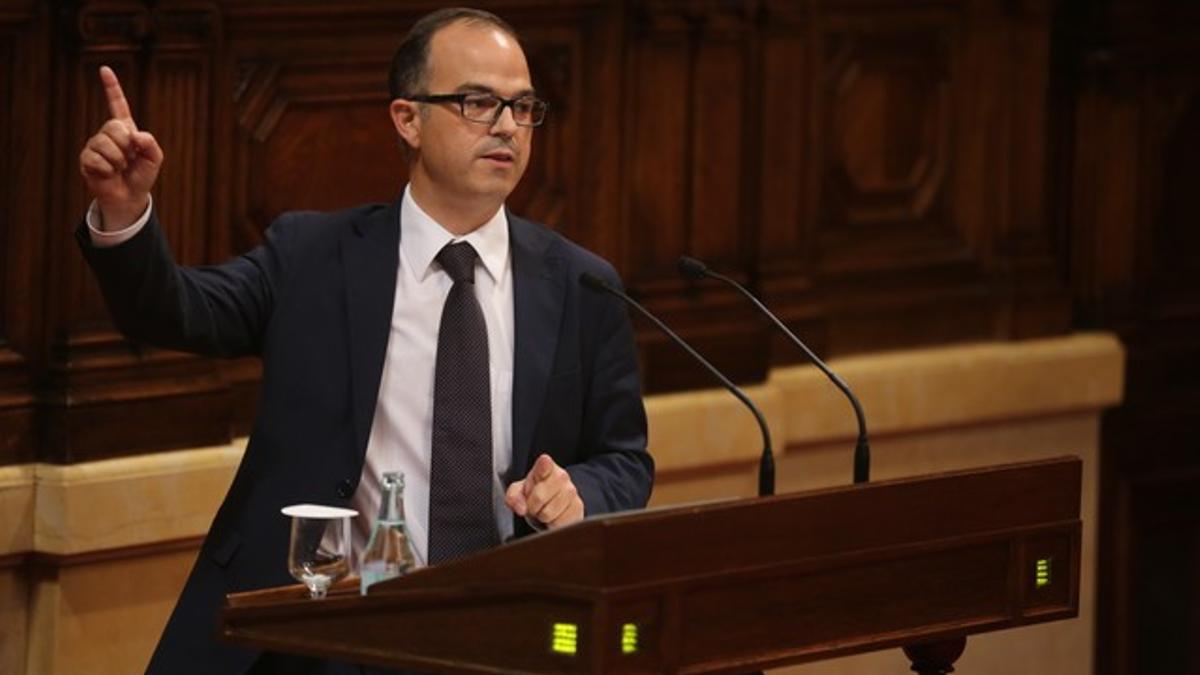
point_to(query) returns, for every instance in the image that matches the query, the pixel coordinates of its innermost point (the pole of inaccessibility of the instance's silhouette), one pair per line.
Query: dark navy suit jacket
(315, 303)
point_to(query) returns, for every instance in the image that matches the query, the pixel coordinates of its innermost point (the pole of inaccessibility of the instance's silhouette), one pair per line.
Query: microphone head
(692, 268)
(594, 282)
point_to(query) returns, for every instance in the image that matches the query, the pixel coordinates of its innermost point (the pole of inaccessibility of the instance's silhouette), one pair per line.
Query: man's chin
(498, 187)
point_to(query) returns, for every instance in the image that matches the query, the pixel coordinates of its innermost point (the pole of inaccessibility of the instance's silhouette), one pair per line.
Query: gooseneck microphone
(694, 269)
(766, 464)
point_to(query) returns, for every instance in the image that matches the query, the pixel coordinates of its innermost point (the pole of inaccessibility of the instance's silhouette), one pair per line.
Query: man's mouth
(502, 156)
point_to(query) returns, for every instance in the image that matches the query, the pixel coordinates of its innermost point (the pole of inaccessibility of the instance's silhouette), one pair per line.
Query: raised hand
(120, 163)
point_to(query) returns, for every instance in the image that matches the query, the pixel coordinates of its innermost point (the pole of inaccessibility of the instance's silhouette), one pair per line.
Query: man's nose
(505, 124)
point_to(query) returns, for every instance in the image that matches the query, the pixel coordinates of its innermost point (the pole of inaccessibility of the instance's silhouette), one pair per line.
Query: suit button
(345, 489)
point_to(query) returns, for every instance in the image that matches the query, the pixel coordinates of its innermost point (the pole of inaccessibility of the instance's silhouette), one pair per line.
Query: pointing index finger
(118, 107)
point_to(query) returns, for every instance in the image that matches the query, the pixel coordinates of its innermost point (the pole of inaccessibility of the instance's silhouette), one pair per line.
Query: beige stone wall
(114, 541)
(118, 537)
(16, 537)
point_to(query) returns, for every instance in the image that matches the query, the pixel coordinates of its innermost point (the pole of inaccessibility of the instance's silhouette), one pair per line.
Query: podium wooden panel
(722, 587)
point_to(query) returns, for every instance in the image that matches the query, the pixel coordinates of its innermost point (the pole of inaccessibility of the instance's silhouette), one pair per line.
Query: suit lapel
(538, 295)
(370, 258)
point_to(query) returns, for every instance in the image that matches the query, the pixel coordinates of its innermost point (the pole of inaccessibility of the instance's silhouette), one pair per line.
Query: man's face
(460, 158)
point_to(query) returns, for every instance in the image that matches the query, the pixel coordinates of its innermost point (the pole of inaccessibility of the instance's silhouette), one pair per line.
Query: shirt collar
(423, 237)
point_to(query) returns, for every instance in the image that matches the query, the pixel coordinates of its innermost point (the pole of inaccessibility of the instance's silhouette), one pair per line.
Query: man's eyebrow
(476, 88)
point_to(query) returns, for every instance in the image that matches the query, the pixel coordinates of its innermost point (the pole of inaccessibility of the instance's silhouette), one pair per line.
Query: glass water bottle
(389, 552)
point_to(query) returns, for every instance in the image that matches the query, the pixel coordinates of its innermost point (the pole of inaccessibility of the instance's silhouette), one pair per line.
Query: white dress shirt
(402, 430)
(401, 433)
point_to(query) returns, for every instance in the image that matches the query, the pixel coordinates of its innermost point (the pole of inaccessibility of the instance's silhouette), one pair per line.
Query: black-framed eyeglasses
(484, 108)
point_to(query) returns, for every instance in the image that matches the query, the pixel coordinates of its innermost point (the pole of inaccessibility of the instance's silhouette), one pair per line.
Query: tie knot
(459, 261)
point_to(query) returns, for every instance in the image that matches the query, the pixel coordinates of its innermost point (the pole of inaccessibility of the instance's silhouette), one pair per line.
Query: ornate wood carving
(888, 115)
(312, 134)
(891, 210)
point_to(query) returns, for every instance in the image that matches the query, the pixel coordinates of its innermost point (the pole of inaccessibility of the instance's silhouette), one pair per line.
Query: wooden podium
(724, 587)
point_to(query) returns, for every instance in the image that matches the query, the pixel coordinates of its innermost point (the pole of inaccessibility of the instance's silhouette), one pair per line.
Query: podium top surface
(657, 545)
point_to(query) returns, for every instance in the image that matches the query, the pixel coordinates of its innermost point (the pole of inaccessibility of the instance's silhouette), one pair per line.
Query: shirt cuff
(102, 239)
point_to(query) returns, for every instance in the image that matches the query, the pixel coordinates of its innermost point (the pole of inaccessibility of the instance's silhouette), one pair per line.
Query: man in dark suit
(440, 335)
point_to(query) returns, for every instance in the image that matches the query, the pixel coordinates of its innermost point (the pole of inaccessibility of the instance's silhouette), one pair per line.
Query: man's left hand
(546, 495)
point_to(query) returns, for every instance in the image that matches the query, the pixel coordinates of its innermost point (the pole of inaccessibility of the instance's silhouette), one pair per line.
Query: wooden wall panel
(1129, 198)
(861, 164)
(877, 170)
(785, 214)
(886, 173)
(94, 382)
(658, 176)
(23, 30)
(309, 126)
(689, 81)
(720, 102)
(15, 397)
(1030, 248)
(576, 58)
(864, 236)
(560, 73)
(308, 132)
(887, 99)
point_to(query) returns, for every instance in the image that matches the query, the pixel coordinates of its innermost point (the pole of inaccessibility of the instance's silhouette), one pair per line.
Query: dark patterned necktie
(461, 519)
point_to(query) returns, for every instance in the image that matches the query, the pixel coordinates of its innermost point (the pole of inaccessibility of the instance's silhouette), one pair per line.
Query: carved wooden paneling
(572, 182)
(786, 212)
(1024, 240)
(95, 385)
(16, 432)
(1129, 200)
(310, 127)
(557, 64)
(300, 113)
(1176, 120)
(886, 173)
(884, 229)
(178, 112)
(1149, 570)
(658, 121)
(310, 130)
(888, 115)
(311, 135)
(689, 82)
(23, 30)
(689, 76)
(877, 169)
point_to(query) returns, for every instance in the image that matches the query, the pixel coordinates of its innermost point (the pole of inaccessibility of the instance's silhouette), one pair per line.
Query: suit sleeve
(619, 473)
(219, 310)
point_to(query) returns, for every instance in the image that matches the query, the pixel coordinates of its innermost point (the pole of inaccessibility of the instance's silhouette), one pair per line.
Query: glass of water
(319, 552)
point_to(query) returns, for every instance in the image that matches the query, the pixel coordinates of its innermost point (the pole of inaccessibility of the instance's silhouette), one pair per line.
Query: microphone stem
(766, 471)
(862, 451)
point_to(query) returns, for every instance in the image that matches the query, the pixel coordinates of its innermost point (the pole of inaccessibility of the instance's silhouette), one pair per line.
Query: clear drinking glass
(319, 552)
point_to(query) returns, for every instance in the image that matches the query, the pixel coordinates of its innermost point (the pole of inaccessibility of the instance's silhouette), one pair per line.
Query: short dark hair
(410, 64)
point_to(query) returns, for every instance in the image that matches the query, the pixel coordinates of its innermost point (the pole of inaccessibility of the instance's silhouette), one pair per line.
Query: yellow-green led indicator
(1042, 577)
(629, 643)
(565, 638)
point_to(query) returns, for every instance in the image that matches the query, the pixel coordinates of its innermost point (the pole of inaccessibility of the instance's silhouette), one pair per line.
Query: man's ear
(406, 117)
